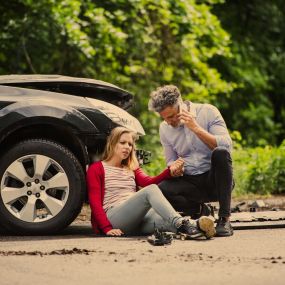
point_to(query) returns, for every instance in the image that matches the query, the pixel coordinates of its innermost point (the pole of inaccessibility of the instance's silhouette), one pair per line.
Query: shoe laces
(188, 223)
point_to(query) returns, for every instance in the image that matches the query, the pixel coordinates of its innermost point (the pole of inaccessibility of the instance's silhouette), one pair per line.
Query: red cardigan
(96, 191)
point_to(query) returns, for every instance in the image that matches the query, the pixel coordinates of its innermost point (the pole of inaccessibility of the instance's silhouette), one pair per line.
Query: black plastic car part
(82, 87)
(160, 238)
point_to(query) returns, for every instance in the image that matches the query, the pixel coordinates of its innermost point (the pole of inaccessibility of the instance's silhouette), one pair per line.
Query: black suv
(51, 128)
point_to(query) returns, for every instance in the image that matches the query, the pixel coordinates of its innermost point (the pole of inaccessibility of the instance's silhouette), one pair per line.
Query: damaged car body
(51, 128)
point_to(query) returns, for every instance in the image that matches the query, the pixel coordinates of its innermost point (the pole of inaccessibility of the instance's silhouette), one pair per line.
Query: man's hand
(188, 120)
(177, 167)
(114, 232)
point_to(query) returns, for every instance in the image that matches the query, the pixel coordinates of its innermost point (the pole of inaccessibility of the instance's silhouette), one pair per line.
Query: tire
(42, 188)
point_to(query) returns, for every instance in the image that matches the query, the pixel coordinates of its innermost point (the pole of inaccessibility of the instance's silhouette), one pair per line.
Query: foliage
(257, 107)
(260, 170)
(137, 44)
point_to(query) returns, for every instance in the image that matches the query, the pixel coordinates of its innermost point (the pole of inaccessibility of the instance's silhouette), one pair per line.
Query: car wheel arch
(55, 130)
(20, 112)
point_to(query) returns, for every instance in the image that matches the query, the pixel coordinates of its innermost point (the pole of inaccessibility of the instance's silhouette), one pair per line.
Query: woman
(116, 206)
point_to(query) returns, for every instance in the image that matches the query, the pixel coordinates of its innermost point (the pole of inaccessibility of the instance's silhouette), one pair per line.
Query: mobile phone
(180, 108)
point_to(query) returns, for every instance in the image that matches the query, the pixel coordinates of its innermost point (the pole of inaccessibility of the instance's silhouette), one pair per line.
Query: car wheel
(42, 187)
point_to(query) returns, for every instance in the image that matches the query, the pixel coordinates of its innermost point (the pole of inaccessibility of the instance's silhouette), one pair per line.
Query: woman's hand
(114, 232)
(177, 167)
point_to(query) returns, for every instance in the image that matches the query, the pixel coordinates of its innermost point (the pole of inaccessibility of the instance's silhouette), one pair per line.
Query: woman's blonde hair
(113, 139)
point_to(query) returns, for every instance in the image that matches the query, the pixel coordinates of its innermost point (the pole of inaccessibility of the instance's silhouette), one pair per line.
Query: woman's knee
(151, 188)
(151, 191)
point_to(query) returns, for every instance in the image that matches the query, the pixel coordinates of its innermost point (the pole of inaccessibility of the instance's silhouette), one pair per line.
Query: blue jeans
(144, 211)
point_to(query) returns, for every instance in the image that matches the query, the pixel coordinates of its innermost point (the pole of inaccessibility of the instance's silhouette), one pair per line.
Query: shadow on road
(71, 232)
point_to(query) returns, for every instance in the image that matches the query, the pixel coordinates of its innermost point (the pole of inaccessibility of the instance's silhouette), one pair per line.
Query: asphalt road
(77, 257)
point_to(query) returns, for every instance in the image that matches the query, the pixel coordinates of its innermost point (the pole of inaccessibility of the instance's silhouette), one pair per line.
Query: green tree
(257, 108)
(137, 44)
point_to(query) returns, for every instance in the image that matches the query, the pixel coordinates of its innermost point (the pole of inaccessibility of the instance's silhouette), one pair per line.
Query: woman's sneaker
(206, 225)
(203, 227)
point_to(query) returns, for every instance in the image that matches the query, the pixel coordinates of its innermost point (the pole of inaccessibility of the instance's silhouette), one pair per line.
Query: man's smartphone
(180, 108)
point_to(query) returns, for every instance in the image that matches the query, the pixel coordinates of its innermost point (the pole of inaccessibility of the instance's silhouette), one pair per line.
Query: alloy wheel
(34, 188)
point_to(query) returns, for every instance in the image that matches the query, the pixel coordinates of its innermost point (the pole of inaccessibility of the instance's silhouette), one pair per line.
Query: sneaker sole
(191, 237)
(206, 225)
(224, 234)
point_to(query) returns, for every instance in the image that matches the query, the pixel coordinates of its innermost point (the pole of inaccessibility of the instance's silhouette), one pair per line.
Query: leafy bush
(260, 170)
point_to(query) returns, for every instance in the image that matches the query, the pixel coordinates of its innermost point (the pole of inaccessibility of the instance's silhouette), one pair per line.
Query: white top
(119, 185)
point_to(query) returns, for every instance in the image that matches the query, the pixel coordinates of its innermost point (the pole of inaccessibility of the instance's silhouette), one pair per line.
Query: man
(198, 134)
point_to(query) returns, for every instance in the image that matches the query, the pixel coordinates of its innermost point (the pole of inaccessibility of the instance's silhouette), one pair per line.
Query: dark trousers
(188, 191)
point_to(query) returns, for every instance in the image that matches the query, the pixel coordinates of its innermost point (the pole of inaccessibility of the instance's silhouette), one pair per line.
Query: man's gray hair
(162, 97)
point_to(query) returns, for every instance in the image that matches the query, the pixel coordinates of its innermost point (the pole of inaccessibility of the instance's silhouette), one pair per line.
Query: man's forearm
(205, 137)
